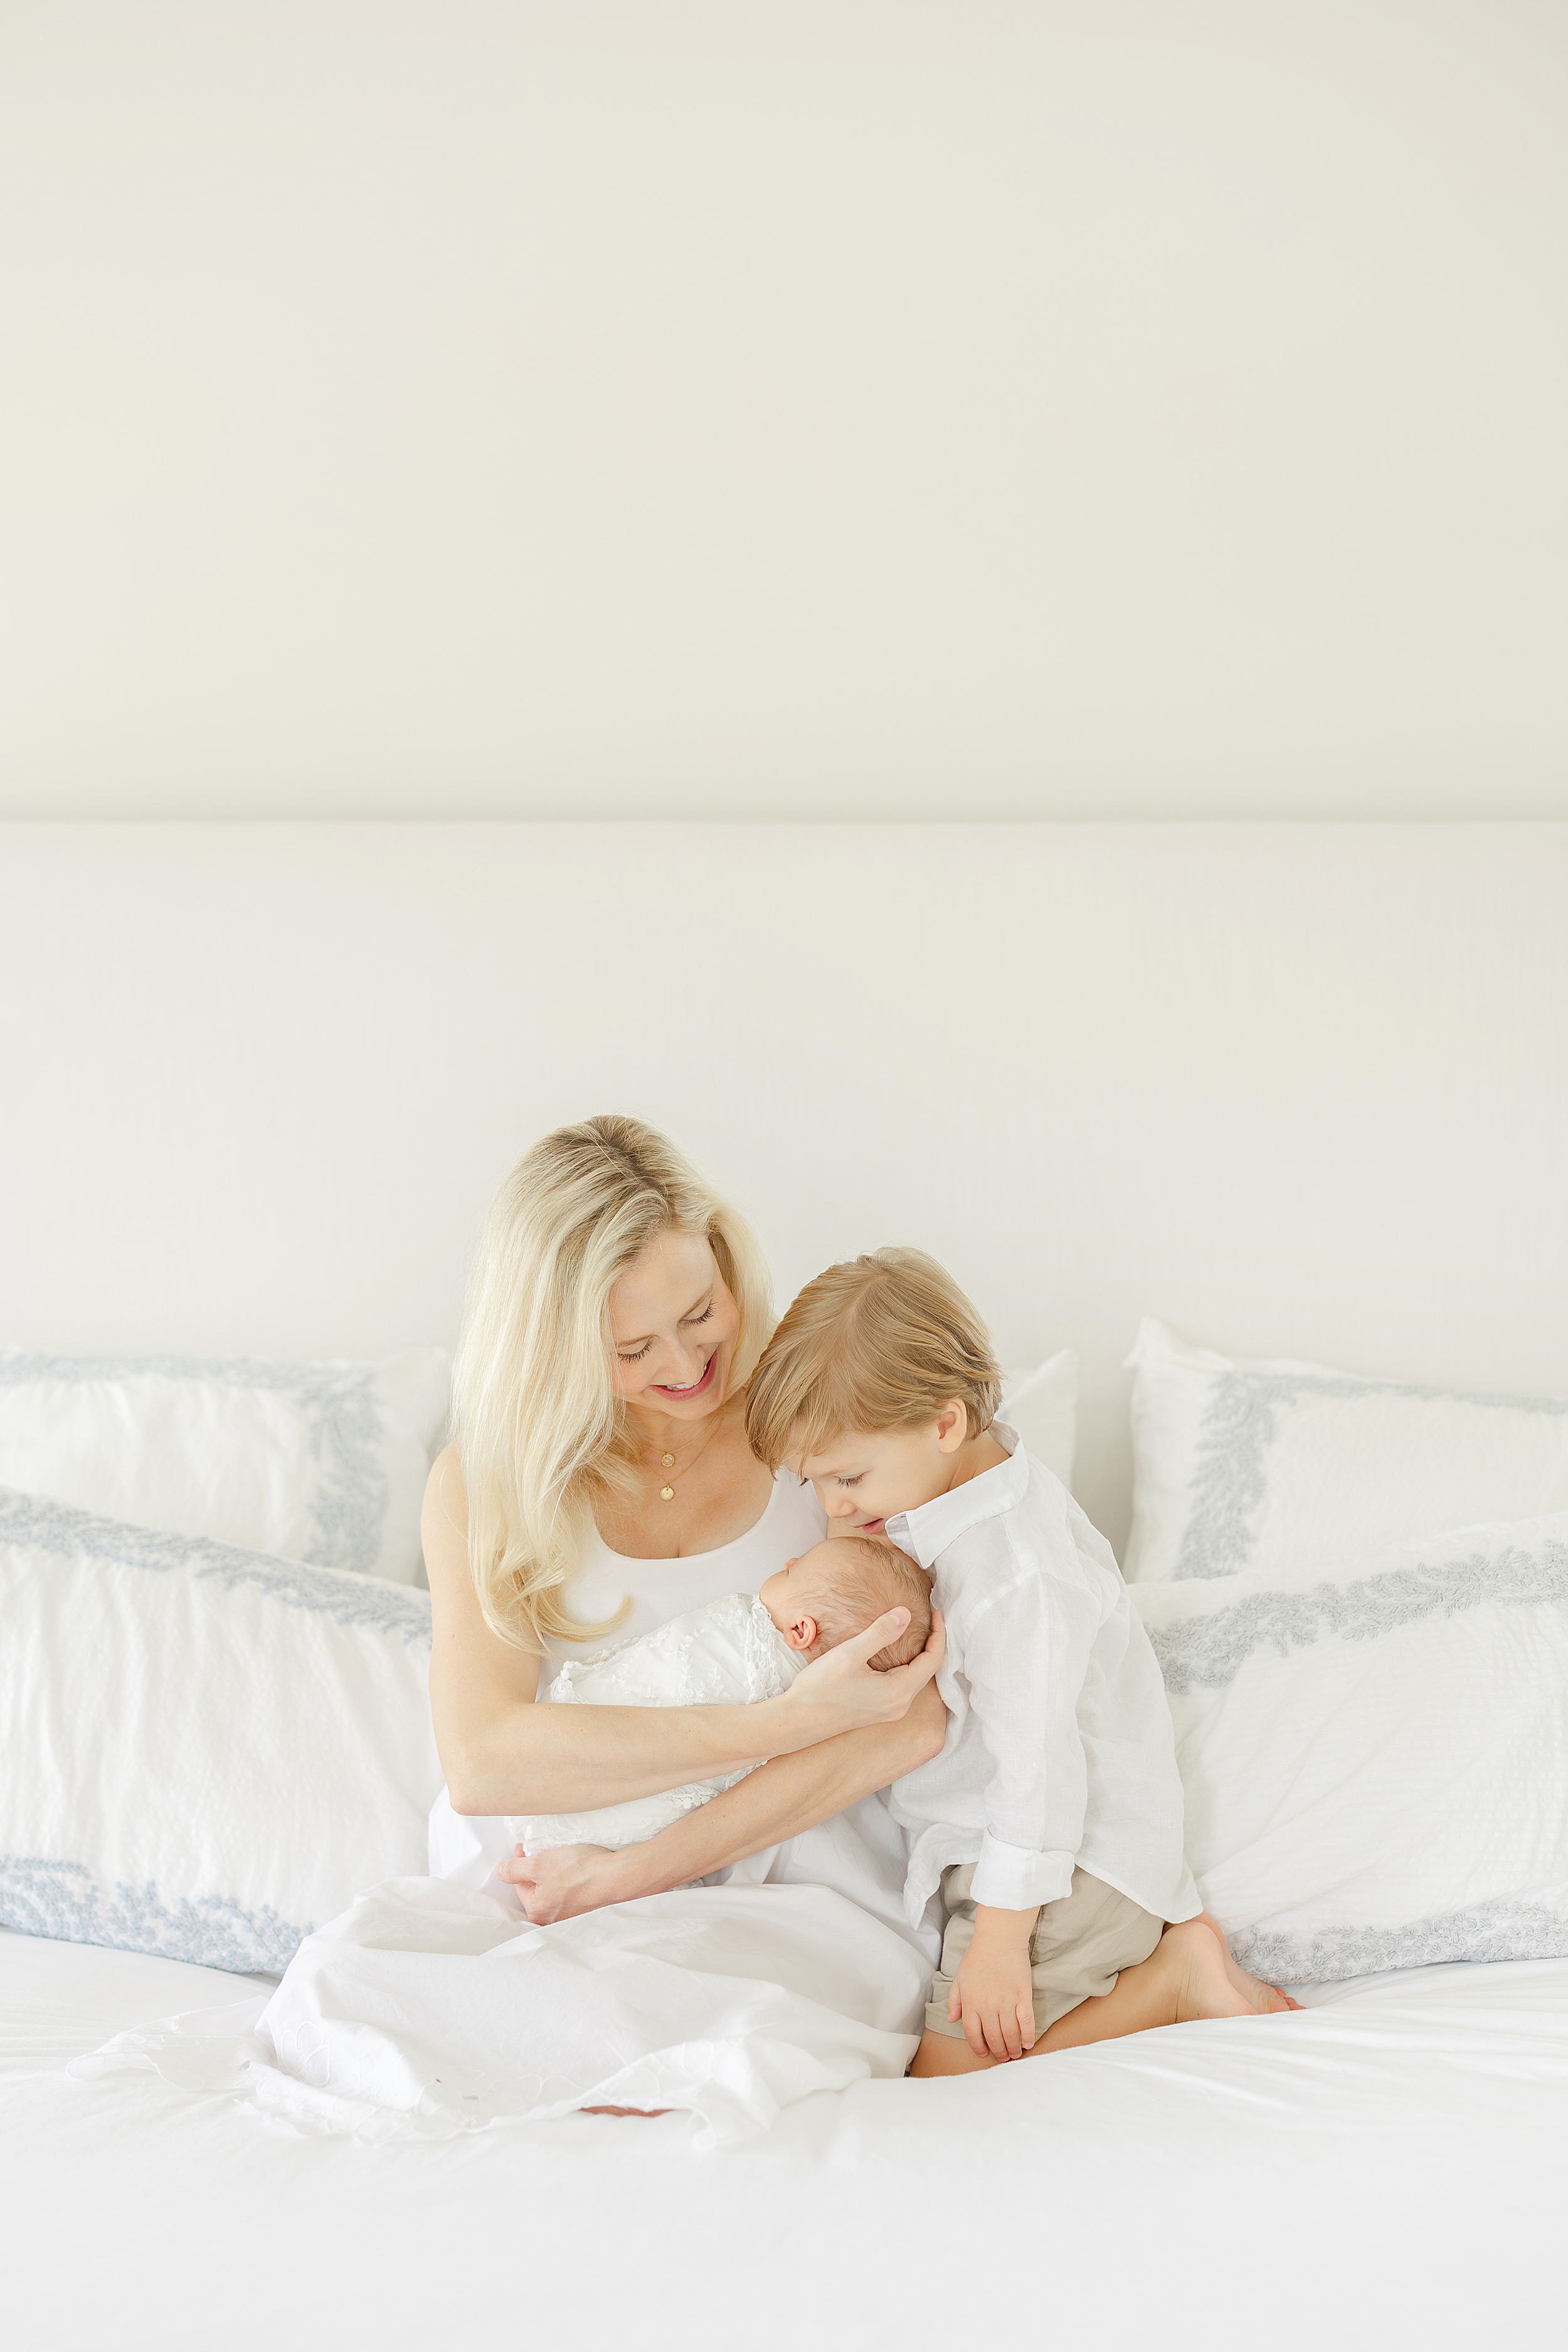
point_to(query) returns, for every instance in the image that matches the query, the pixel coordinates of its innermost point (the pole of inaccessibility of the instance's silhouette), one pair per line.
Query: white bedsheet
(1386, 2169)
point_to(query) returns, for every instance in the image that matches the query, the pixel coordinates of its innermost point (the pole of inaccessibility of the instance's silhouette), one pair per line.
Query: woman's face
(674, 1326)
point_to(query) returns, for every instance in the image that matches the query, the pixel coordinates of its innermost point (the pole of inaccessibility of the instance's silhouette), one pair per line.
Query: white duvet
(1387, 2170)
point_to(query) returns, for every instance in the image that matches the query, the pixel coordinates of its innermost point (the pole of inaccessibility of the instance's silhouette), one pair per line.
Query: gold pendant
(667, 1460)
(666, 1494)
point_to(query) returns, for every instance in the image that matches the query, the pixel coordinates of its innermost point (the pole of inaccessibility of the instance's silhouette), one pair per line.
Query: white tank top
(661, 1589)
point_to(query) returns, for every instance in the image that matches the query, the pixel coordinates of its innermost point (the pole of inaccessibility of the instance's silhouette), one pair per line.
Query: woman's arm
(780, 1800)
(501, 1753)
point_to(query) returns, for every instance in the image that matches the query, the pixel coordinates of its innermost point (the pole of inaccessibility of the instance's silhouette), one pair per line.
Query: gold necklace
(667, 1492)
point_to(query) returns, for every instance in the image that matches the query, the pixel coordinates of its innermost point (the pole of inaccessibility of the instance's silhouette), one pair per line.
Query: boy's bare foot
(1189, 1974)
(1195, 1959)
(1266, 1998)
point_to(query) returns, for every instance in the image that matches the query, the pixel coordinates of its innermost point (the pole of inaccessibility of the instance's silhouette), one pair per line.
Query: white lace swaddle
(727, 1653)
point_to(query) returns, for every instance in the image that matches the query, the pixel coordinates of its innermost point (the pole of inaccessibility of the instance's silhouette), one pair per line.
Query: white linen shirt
(1060, 1751)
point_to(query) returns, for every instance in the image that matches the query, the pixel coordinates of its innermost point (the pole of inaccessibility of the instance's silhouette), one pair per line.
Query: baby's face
(792, 1596)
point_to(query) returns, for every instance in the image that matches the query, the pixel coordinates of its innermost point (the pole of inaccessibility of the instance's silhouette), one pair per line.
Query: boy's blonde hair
(880, 1342)
(540, 1424)
(871, 1576)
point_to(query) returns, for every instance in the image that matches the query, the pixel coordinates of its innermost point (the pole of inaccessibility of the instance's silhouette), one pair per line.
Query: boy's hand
(992, 1993)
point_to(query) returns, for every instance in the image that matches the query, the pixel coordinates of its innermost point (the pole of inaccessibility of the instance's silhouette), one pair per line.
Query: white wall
(1297, 1088)
(808, 407)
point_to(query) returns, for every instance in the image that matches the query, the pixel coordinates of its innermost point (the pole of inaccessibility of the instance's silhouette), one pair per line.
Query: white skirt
(430, 2009)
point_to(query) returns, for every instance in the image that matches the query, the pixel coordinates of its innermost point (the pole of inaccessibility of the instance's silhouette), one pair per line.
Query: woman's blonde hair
(880, 1342)
(539, 1425)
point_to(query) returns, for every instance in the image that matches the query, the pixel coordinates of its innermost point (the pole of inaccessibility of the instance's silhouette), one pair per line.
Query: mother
(599, 1483)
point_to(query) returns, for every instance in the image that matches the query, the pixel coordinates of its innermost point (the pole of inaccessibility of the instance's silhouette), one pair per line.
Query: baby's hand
(993, 1994)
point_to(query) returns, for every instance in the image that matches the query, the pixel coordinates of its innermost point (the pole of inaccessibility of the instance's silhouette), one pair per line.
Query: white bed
(1388, 2168)
(1257, 1079)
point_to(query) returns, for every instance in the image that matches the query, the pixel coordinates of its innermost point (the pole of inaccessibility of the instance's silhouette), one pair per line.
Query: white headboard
(1298, 1089)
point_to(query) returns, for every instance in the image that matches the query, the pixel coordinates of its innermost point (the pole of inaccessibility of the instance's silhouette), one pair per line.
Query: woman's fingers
(904, 1682)
(877, 1635)
(562, 1882)
(844, 1679)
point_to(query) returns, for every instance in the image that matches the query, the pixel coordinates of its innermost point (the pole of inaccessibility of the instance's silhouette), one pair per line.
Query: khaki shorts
(1079, 1947)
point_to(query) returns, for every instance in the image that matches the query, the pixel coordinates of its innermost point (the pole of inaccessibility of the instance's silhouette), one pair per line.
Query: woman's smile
(679, 1395)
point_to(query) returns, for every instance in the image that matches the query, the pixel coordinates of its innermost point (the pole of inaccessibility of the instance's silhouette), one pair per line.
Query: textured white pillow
(1240, 1465)
(324, 1463)
(1042, 1406)
(208, 1752)
(1375, 1755)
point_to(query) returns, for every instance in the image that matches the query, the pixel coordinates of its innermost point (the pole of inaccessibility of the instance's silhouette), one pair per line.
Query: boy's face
(863, 1480)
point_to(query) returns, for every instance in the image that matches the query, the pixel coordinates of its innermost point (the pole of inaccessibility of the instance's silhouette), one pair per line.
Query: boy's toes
(1266, 1998)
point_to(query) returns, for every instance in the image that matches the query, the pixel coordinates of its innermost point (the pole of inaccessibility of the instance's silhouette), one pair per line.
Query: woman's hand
(566, 1881)
(851, 1693)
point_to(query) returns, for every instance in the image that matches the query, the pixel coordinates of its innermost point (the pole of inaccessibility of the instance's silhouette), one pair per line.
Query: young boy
(1051, 1822)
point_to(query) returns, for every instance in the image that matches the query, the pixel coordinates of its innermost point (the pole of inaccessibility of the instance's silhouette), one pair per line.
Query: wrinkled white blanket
(727, 1653)
(427, 2010)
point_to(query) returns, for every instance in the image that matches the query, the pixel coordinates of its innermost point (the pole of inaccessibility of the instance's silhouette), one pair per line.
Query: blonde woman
(599, 1483)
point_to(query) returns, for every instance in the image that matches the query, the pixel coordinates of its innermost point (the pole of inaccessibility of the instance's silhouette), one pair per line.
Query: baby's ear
(802, 1635)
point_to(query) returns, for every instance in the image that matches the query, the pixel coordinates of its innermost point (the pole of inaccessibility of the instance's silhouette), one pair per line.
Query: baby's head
(836, 1589)
(873, 1384)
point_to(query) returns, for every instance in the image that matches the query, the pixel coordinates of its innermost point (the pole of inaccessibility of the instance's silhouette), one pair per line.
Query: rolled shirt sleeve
(1018, 1878)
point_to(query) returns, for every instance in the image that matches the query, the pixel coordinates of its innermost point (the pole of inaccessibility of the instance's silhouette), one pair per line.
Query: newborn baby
(731, 1653)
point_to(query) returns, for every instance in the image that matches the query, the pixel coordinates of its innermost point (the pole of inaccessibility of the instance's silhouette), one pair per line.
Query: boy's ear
(952, 1426)
(802, 1635)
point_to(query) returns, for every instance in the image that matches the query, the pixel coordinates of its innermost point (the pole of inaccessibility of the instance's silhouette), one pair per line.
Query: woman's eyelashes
(647, 1344)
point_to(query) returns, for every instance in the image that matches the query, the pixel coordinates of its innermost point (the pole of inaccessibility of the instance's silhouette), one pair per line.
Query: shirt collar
(930, 1529)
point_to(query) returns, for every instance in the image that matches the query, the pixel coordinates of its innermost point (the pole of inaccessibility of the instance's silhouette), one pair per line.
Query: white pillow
(1240, 1465)
(208, 1753)
(1375, 1755)
(320, 1462)
(1042, 1406)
